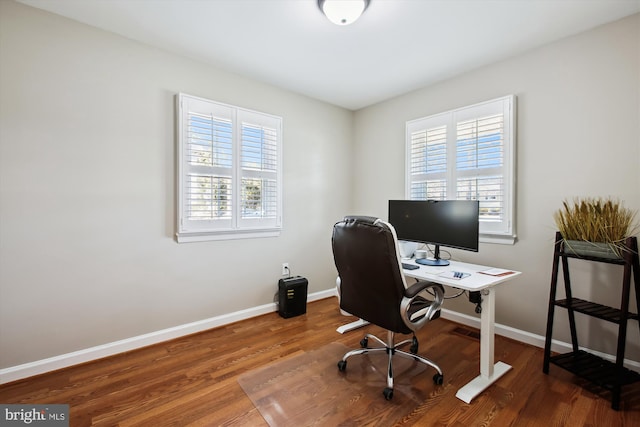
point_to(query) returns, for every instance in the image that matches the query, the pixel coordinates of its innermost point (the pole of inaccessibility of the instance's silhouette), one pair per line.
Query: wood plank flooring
(192, 381)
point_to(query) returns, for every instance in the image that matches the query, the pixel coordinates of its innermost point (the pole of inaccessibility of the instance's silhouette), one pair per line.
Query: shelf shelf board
(595, 369)
(617, 261)
(596, 310)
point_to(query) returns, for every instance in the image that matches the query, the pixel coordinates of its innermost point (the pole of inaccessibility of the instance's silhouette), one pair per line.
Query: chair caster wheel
(438, 379)
(388, 393)
(342, 365)
(414, 346)
(364, 342)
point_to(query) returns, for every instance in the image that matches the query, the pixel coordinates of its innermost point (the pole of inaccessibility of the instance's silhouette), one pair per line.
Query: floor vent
(470, 333)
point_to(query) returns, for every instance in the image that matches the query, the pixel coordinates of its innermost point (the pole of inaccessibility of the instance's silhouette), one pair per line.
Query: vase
(593, 249)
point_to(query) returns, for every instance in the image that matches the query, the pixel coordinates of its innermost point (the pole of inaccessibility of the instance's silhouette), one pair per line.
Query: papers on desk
(496, 272)
(431, 270)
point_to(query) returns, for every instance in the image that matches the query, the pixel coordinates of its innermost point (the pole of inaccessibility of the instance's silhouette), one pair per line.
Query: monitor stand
(434, 262)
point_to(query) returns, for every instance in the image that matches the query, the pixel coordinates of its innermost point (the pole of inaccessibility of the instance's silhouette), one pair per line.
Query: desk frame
(490, 371)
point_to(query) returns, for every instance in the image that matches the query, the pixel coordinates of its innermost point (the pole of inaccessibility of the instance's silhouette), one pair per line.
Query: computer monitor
(451, 223)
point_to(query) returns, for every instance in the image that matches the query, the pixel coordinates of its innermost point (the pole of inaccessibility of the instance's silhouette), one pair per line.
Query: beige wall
(87, 254)
(578, 135)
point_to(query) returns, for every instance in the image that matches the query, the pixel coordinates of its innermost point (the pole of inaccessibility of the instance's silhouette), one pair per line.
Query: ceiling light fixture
(343, 12)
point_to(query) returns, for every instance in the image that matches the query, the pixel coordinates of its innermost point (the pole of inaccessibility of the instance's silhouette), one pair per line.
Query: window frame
(237, 225)
(504, 231)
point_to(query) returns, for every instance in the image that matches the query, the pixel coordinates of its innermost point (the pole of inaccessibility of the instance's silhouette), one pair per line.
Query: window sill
(498, 239)
(206, 236)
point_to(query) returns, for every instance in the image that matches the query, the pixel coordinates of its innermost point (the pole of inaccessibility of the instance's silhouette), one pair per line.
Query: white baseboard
(38, 367)
(529, 338)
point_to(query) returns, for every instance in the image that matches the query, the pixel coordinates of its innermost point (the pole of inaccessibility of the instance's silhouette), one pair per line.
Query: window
(229, 171)
(467, 154)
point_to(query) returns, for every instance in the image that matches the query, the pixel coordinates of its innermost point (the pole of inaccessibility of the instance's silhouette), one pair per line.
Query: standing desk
(490, 371)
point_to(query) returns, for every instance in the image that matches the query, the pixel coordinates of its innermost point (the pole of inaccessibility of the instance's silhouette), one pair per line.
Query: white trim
(498, 239)
(204, 236)
(234, 226)
(496, 231)
(38, 367)
(530, 338)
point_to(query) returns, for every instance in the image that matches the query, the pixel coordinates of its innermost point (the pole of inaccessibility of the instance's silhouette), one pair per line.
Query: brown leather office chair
(371, 286)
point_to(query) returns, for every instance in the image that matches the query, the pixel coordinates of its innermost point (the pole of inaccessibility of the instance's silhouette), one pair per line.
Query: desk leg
(351, 326)
(489, 372)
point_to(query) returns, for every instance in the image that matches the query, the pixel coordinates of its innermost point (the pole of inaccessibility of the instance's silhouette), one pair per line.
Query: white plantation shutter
(467, 154)
(479, 164)
(208, 169)
(229, 178)
(259, 169)
(428, 159)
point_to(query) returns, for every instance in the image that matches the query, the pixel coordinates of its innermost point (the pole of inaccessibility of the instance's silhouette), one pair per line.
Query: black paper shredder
(292, 296)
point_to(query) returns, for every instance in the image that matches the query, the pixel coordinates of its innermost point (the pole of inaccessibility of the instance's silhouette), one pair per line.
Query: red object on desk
(496, 272)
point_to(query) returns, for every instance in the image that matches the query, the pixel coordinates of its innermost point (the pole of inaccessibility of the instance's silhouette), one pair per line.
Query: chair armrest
(418, 287)
(413, 301)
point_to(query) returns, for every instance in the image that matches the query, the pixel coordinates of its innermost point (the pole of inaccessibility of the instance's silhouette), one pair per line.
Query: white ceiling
(396, 46)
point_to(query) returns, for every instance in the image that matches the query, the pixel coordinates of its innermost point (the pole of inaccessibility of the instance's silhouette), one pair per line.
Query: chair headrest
(360, 218)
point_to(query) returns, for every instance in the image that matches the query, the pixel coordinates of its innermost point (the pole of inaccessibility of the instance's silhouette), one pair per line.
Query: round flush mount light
(343, 12)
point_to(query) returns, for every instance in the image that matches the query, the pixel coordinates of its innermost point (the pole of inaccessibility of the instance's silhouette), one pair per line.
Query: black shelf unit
(608, 375)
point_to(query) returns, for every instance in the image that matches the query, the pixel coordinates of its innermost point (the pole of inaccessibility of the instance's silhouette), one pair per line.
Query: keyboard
(409, 266)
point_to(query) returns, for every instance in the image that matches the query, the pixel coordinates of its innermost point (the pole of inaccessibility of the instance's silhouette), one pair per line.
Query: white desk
(490, 372)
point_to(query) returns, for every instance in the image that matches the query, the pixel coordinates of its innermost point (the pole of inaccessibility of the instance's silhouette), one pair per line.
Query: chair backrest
(365, 251)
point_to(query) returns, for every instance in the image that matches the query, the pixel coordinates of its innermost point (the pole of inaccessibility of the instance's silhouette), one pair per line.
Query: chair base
(392, 349)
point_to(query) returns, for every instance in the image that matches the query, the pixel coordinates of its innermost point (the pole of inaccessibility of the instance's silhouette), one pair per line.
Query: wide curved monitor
(450, 223)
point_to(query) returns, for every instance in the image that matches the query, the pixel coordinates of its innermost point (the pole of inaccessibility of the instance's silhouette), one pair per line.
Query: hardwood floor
(193, 380)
